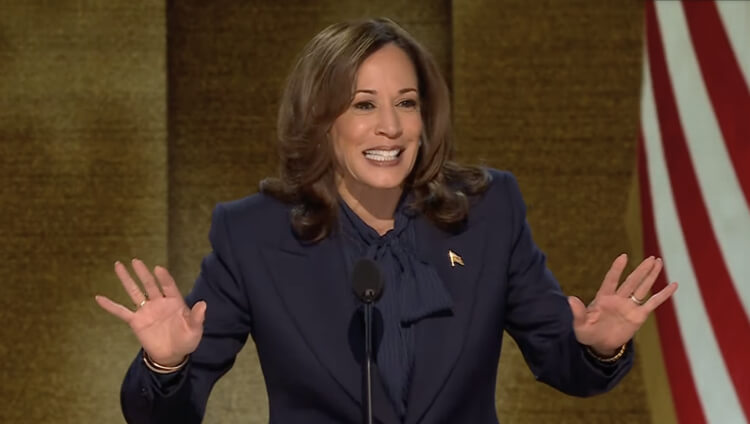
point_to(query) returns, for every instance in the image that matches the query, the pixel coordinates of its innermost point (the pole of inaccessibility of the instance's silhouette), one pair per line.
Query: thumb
(198, 314)
(578, 309)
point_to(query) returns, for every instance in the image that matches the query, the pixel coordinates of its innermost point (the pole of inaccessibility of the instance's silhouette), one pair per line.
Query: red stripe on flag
(729, 93)
(726, 313)
(684, 395)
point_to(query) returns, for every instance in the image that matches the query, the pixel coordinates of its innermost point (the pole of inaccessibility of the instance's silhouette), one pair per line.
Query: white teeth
(392, 152)
(382, 155)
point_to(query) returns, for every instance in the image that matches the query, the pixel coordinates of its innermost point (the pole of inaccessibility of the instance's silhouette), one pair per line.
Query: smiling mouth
(382, 155)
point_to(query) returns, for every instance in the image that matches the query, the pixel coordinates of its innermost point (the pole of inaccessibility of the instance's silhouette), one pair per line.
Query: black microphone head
(367, 280)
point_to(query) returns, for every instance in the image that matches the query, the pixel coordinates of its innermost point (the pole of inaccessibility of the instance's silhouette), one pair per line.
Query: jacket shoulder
(259, 217)
(258, 205)
(501, 180)
(502, 193)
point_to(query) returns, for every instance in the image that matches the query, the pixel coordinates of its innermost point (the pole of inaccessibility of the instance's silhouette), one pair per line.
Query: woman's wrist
(605, 352)
(608, 356)
(164, 368)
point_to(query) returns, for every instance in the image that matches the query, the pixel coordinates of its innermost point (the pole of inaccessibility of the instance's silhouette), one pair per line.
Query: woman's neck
(375, 207)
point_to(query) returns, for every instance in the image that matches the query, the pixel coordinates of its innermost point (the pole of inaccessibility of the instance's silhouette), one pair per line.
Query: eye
(365, 105)
(408, 103)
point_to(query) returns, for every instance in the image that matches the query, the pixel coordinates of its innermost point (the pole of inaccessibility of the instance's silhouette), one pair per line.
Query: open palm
(616, 313)
(166, 328)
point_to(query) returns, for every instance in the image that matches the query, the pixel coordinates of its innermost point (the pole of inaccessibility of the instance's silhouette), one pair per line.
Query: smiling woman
(377, 139)
(368, 91)
(364, 138)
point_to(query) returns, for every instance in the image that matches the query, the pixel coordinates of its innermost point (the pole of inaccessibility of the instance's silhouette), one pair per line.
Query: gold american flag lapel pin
(455, 258)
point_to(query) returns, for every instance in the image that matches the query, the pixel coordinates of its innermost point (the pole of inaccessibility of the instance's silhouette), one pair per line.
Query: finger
(135, 293)
(148, 280)
(198, 314)
(660, 297)
(612, 278)
(578, 309)
(168, 285)
(636, 277)
(115, 309)
(641, 292)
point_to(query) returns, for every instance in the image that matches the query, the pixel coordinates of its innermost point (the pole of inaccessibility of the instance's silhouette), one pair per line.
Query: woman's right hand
(167, 329)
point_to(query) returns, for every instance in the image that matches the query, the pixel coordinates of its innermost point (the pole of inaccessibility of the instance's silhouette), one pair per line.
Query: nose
(389, 123)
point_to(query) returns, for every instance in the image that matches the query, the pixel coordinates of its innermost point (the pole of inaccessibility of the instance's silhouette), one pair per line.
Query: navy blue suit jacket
(296, 301)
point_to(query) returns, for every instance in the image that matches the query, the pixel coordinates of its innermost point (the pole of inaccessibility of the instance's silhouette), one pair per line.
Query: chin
(385, 182)
(386, 177)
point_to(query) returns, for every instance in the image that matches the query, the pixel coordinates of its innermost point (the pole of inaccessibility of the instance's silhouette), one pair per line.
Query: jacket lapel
(313, 283)
(439, 340)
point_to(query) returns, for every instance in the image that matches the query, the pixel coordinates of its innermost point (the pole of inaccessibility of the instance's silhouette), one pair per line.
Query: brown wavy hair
(320, 88)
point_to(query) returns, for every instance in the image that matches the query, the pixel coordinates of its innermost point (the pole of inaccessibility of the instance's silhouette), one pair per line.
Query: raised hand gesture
(167, 329)
(616, 313)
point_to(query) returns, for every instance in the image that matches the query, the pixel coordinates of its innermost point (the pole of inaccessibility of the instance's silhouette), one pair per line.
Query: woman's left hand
(616, 313)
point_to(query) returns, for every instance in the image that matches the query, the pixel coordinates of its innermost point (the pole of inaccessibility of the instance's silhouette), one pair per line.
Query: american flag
(694, 174)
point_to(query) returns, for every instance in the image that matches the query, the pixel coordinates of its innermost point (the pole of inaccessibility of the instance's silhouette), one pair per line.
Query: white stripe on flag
(735, 16)
(720, 188)
(712, 382)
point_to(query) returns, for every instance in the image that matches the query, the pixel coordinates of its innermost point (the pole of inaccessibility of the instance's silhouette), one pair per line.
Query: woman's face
(376, 140)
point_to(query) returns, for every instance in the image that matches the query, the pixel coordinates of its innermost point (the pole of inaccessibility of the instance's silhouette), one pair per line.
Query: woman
(364, 132)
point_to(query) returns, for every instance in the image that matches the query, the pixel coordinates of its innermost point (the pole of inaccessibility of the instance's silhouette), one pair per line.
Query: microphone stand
(368, 286)
(369, 295)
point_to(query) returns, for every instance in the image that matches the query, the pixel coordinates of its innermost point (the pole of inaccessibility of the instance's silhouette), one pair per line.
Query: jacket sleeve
(147, 397)
(539, 319)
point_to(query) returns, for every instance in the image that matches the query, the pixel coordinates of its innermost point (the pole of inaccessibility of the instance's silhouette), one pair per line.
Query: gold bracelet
(609, 360)
(163, 369)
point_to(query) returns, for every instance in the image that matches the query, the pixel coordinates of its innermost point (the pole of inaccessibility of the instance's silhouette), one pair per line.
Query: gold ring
(143, 302)
(637, 301)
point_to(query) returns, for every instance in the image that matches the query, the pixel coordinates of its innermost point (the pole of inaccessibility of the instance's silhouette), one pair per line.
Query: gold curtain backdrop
(84, 182)
(123, 123)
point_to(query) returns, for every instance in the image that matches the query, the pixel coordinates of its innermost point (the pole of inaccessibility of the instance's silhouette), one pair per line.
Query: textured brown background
(83, 171)
(123, 123)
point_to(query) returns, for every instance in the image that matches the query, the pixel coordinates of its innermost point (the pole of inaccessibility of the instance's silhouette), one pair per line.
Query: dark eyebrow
(402, 91)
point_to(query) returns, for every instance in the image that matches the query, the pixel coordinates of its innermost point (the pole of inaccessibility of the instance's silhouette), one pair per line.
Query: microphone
(368, 286)
(367, 281)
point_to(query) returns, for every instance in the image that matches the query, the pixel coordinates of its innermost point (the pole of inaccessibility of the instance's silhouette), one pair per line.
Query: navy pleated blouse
(413, 291)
